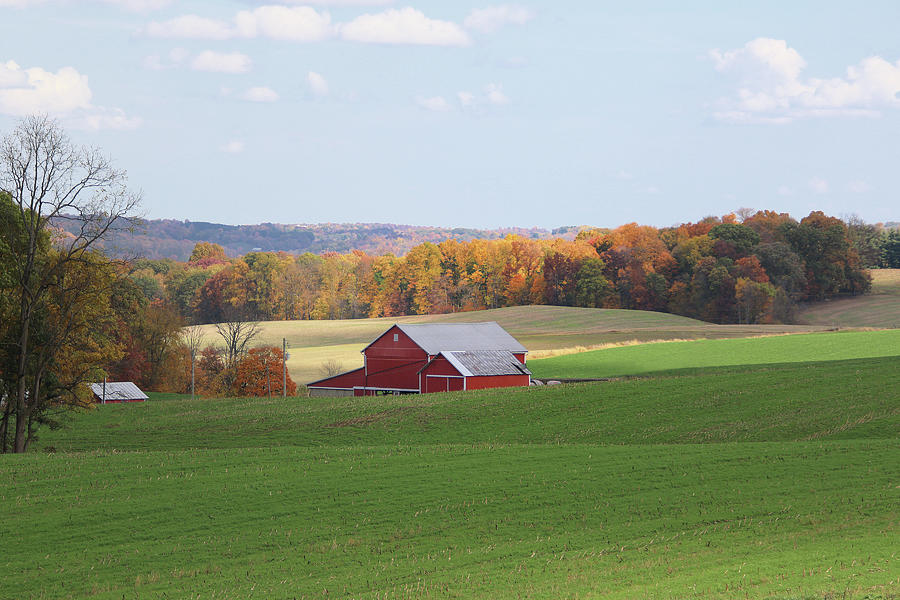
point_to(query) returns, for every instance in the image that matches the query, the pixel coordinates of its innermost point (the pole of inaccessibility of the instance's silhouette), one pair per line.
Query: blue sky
(471, 113)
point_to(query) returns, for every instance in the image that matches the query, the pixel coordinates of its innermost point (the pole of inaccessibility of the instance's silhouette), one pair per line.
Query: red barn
(433, 357)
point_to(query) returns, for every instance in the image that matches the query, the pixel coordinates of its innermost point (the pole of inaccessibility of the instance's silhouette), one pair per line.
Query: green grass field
(539, 328)
(778, 481)
(881, 308)
(671, 356)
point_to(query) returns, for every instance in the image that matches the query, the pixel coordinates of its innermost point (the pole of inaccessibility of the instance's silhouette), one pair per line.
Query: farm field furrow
(790, 519)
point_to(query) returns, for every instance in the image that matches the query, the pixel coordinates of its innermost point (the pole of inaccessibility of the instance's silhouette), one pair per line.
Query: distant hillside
(167, 238)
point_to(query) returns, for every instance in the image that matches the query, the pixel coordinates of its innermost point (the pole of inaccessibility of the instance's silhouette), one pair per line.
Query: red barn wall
(394, 365)
(441, 376)
(347, 380)
(442, 384)
(440, 366)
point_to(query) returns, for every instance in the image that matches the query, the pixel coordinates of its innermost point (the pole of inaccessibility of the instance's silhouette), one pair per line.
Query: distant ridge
(169, 238)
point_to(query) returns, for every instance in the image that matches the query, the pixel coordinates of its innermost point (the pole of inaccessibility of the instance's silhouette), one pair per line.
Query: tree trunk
(22, 407)
(4, 427)
(21, 432)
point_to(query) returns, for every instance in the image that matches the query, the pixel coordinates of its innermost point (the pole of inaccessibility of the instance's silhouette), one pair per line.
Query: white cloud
(859, 187)
(11, 75)
(818, 185)
(466, 98)
(306, 24)
(479, 104)
(190, 27)
(435, 103)
(297, 24)
(219, 62)
(233, 147)
(260, 94)
(96, 118)
(403, 26)
(771, 88)
(495, 95)
(624, 175)
(762, 58)
(317, 83)
(492, 18)
(64, 94)
(28, 91)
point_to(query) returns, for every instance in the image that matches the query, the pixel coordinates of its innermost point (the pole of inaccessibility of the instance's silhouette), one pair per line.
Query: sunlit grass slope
(881, 308)
(650, 358)
(770, 482)
(775, 403)
(313, 343)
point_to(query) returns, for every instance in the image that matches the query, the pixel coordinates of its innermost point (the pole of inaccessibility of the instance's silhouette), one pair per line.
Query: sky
(471, 113)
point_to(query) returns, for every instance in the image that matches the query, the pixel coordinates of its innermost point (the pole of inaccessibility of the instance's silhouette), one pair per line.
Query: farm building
(120, 391)
(433, 357)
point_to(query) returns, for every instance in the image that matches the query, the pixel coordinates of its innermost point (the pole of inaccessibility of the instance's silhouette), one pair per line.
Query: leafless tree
(50, 180)
(193, 338)
(236, 335)
(331, 367)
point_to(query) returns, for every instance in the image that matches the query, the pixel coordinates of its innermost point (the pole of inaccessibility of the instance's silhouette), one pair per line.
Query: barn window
(396, 337)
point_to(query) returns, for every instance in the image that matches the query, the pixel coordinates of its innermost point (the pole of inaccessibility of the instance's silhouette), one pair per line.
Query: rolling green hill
(754, 482)
(670, 356)
(539, 328)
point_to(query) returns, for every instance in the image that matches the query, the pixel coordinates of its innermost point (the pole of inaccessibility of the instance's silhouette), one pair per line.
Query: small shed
(118, 391)
(473, 370)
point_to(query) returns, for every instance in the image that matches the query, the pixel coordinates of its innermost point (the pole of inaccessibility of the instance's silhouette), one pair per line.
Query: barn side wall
(394, 365)
(346, 381)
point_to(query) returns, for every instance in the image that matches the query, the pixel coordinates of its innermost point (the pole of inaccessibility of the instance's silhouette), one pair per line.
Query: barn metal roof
(452, 337)
(486, 362)
(124, 390)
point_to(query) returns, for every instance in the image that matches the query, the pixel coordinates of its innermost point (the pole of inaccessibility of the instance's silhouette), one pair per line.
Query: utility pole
(268, 383)
(284, 367)
(104, 390)
(193, 354)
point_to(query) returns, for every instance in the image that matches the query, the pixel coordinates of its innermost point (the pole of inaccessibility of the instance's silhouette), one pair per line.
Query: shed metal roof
(452, 337)
(486, 362)
(124, 390)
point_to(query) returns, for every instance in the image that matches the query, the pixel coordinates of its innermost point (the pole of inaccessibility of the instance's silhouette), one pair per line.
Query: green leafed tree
(54, 284)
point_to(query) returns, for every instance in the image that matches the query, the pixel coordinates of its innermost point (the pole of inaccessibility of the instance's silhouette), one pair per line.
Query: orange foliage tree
(258, 373)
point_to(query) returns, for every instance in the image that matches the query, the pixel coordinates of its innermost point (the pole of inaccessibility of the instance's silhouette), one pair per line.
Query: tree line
(752, 268)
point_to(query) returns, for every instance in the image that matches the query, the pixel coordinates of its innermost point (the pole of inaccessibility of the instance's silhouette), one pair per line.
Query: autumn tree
(752, 299)
(47, 179)
(258, 373)
(206, 254)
